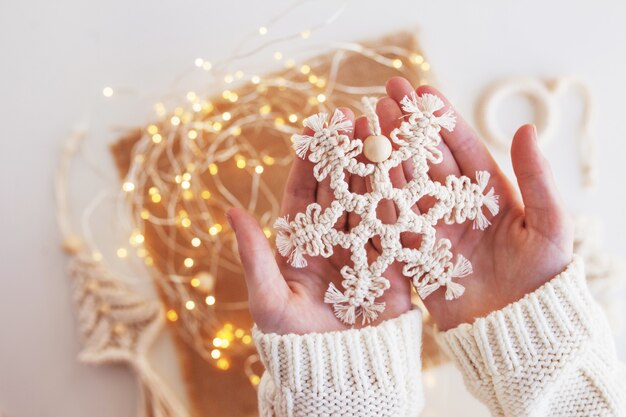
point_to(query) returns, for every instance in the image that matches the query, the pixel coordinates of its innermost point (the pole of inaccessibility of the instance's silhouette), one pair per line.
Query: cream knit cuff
(374, 371)
(560, 310)
(550, 353)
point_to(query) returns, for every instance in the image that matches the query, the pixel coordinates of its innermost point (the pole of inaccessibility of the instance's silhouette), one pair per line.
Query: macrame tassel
(301, 144)
(315, 122)
(447, 120)
(371, 311)
(410, 104)
(462, 267)
(427, 289)
(490, 201)
(454, 290)
(284, 243)
(344, 311)
(339, 122)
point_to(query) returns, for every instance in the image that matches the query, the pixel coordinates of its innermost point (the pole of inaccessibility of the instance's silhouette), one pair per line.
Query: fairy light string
(232, 148)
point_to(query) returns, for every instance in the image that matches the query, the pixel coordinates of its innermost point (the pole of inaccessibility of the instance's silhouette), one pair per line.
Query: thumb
(542, 204)
(266, 286)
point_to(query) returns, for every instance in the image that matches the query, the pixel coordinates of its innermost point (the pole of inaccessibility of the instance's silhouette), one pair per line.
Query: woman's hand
(284, 299)
(529, 241)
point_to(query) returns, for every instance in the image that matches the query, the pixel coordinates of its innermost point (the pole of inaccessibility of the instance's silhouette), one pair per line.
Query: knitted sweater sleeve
(374, 371)
(548, 354)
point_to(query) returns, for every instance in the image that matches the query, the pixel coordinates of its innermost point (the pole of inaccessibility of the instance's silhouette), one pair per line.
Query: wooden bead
(377, 148)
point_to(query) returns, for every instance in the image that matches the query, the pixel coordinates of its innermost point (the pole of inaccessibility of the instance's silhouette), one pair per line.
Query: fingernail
(534, 131)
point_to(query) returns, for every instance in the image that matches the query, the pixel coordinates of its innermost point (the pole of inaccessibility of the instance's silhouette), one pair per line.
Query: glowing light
(397, 63)
(293, 118)
(255, 380)
(262, 30)
(425, 66)
(258, 169)
(228, 78)
(107, 92)
(122, 253)
(195, 242)
(213, 230)
(145, 214)
(213, 170)
(153, 129)
(205, 194)
(156, 198)
(188, 262)
(192, 134)
(190, 305)
(175, 120)
(217, 126)
(196, 107)
(268, 160)
(267, 232)
(171, 315)
(207, 66)
(185, 185)
(255, 79)
(246, 340)
(226, 116)
(241, 163)
(136, 238)
(239, 75)
(210, 300)
(215, 353)
(128, 186)
(321, 98)
(305, 69)
(186, 223)
(417, 59)
(195, 282)
(265, 109)
(278, 56)
(306, 34)
(223, 364)
(156, 138)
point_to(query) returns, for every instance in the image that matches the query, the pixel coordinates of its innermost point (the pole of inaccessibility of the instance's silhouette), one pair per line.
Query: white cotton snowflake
(431, 265)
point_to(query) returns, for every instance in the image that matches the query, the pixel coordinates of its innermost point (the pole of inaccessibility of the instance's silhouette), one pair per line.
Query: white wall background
(56, 56)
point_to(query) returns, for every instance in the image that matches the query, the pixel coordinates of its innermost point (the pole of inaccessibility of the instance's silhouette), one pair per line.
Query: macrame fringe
(301, 144)
(490, 201)
(285, 243)
(339, 122)
(425, 290)
(454, 290)
(462, 267)
(315, 122)
(346, 311)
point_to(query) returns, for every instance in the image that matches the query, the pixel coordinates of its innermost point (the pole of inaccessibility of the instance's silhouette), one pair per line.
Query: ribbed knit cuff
(371, 371)
(559, 314)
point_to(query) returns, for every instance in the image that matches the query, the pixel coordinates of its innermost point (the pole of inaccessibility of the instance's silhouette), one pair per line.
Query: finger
(468, 150)
(263, 277)
(542, 205)
(301, 185)
(398, 88)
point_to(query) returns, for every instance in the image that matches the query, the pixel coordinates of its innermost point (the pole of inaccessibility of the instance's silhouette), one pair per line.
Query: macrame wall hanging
(431, 265)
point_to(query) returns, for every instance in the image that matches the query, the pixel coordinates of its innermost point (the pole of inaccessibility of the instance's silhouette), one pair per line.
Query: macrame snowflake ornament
(430, 265)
